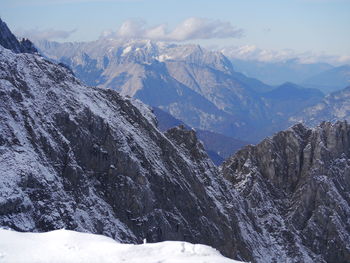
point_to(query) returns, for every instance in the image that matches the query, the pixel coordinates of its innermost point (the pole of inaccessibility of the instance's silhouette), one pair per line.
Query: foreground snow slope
(69, 246)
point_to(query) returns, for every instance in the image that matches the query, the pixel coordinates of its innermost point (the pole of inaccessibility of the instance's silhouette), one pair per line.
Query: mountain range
(334, 107)
(317, 75)
(91, 160)
(330, 80)
(276, 73)
(197, 86)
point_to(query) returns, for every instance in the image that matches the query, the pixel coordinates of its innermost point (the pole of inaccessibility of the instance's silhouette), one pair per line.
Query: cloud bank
(192, 28)
(253, 53)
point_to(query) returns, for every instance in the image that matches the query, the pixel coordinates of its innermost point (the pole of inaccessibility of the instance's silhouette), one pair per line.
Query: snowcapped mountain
(64, 246)
(88, 159)
(140, 69)
(197, 86)
(335, 106)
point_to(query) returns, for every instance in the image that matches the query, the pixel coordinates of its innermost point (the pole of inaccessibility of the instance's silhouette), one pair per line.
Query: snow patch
(126, 50)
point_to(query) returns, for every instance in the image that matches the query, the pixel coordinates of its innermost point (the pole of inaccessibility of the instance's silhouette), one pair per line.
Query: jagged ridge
(297, 184)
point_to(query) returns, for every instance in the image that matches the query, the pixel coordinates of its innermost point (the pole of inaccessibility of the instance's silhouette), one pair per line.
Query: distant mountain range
(322, 76)
(197, 86)
(276, 73)
(331, 80)
(334, 107)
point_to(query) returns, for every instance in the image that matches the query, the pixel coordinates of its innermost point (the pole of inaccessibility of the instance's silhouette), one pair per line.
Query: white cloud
(190, 29)
(47, 34)
(251, 52)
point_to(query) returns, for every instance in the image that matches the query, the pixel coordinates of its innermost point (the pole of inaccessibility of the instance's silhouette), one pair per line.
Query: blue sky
(314, 26)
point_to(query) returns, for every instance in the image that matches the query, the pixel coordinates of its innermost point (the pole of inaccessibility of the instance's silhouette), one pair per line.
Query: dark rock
(9, 41)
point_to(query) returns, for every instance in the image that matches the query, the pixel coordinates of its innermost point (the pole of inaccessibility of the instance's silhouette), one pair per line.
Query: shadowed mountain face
(194, 85)
(9, 41)
(88, 159)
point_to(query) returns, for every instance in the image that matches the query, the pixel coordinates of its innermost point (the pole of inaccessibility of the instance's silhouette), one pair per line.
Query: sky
(319, 28)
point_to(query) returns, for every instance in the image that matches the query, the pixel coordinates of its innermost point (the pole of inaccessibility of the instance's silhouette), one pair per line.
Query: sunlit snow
(63, 246)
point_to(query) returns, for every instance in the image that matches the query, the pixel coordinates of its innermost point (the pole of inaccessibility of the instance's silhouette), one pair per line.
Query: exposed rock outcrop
(297, 185)
(9, 41)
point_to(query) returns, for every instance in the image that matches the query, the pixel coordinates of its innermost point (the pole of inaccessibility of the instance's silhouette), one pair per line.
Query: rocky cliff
(87, 159)
(9, 41)
(297, 186)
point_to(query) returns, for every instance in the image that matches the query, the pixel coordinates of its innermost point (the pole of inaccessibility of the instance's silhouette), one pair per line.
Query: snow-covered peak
(136, 51)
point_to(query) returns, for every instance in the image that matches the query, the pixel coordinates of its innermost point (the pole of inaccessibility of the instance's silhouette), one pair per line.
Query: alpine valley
(96, 159)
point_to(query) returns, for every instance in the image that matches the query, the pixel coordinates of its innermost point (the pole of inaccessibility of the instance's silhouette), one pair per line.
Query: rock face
(297, 185)
(9, 41)
(86, 159)
(334, 107)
